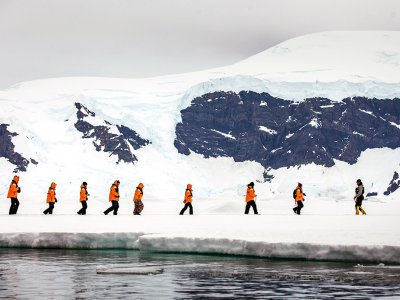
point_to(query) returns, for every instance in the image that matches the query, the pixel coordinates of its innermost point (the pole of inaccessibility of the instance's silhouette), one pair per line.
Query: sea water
(72, 274)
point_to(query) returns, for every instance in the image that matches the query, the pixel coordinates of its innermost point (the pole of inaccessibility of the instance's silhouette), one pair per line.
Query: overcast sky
(142, 38)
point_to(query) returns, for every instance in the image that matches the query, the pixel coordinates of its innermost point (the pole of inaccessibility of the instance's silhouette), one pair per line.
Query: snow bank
(370, 238)
(200, 245)
(307, 251)
(68, 240)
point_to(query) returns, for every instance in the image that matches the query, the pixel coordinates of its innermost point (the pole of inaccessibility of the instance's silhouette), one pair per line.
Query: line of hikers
(298, 196)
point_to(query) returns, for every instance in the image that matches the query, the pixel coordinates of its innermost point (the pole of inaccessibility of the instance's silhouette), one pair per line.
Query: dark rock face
(7, 150)
(372, 194)
(120, 145)
(282, 133)
(394, 184)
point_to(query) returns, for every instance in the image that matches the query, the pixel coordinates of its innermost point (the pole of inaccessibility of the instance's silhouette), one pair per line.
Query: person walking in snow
(359, 197)
(298, 196)
(13, 195)
(188, 200)
(51, 199)
(83, 197)
(137, 199)
(114, 198)
(251, 199)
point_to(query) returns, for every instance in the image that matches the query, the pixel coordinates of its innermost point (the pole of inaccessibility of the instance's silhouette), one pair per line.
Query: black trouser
(50, 209)
(114, 206)
(82, 211)
(14, 206)
(299, 206)
(251, 203)
(189, 204)
(359, 201)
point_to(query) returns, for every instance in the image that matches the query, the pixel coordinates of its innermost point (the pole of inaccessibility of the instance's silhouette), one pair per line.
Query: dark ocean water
(71, 274)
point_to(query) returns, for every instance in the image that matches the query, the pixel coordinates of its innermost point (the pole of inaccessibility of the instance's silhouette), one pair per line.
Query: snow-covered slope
(328, 57)
(70, 130)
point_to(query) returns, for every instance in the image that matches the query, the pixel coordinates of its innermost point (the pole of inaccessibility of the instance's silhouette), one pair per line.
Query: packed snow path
(312, 237)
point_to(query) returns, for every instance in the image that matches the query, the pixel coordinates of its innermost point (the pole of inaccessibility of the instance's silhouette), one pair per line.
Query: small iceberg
(381, 265)
(131, 270)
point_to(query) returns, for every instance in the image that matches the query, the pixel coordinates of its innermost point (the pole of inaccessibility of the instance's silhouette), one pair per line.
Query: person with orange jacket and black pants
(137, 199)
(114, 198)
(83, 197)
(298, 196)
(188, 200)
(13, 195)
(51, 199)
(250, 199)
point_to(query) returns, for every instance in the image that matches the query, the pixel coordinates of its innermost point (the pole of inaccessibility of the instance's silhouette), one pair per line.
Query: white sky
(142, 38)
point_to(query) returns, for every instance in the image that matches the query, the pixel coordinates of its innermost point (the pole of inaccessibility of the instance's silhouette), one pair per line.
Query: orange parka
(14, 189)
(188, 194)
(299, 194)
(138, 193)
(250, 195)
(83, 194)
(51, 194)
(114, 192)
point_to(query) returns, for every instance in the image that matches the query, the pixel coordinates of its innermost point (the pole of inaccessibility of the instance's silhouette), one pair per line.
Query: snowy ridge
(297, 91)
(356, 56)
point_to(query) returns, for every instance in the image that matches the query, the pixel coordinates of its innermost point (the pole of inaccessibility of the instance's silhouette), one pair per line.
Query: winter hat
(84, 183)
(299, 184)
(251, 184)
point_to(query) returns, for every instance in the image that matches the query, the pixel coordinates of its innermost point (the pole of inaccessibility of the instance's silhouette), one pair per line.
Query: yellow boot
(362, 211)
(357, 212)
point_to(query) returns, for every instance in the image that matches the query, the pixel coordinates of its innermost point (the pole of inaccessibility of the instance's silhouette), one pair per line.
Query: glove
(19, 190)
(55, 199)
(304, 194)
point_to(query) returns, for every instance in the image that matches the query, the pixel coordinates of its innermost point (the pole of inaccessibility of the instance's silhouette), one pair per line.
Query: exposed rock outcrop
(117, 140)
(282, 133)
(7, 150)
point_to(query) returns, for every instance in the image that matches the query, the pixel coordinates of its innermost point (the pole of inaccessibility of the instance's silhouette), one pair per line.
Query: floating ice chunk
(131, 270)
(378, 266)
